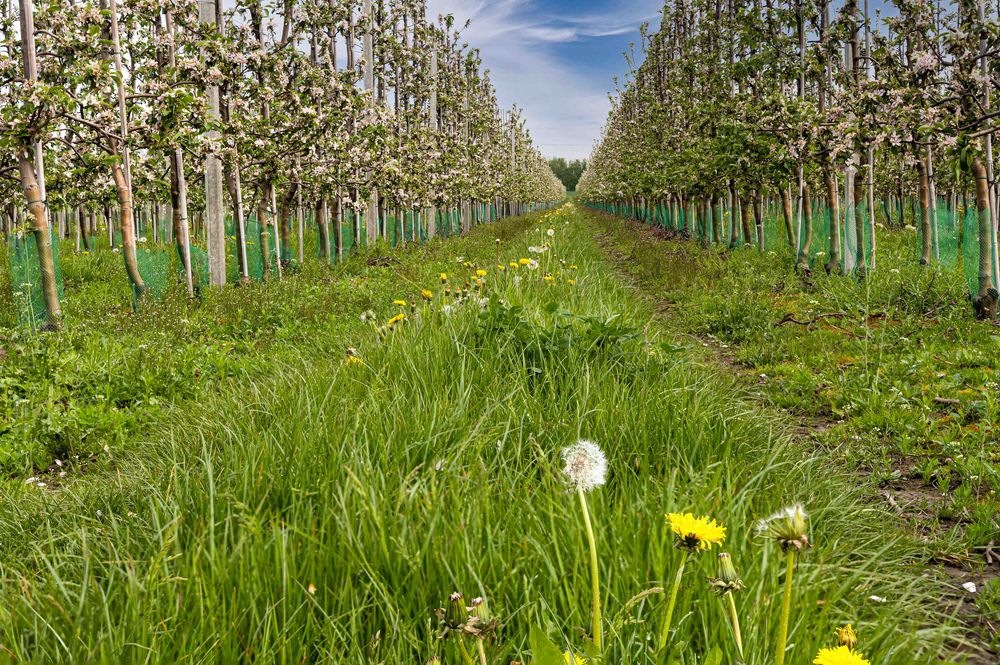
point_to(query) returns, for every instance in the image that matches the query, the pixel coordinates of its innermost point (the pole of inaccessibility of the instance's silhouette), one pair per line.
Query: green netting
(405, 229)
(970, 251)
(154, 268)
(255, 250)
(26, 278)
(814, 243)
(946, 235)
(854, 252)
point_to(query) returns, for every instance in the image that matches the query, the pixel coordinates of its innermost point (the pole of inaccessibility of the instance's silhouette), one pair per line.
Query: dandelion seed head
(789, 527)
(586, 465)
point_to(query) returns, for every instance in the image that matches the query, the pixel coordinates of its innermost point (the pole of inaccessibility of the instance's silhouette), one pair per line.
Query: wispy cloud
(539, 58)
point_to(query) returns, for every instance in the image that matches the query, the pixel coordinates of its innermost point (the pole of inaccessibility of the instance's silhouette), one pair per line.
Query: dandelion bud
(846, 637)
(727, 580)
(478, 609)
(457, 613)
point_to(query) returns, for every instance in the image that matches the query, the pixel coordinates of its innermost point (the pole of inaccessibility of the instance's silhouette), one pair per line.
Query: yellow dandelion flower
(444, 277)
(513, 264)
(401, 303)
(524, 262)
(426, 294)
(696, 533)
(573, 659)
(396, 319)
(571, 282)
(501, 267)
(549, 278)
(480, 273)
(840, 656)
(353, 360)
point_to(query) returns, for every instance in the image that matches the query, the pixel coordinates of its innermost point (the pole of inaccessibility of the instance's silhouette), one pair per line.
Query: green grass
(430, 467)
(892, 376)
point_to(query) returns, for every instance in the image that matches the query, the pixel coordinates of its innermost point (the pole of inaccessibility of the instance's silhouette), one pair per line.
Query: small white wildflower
(586, 465)
(100, 513)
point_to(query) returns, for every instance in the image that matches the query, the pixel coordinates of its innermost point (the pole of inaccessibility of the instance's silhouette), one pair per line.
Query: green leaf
(543, 651)
(714, 657)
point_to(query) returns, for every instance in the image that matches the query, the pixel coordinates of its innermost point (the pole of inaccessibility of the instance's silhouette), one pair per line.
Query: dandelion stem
(737, 635)
(466, 658)
(786, 606)
(595, 581)
(672, 602)
(482, 652)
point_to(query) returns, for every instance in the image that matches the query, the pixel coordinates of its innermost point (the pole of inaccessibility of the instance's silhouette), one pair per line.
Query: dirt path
(912, 501)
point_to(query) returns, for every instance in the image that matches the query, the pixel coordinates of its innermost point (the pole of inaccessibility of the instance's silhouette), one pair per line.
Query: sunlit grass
(321, 510)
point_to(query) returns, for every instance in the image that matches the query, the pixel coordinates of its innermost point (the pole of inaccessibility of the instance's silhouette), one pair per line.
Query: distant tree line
(569, 171)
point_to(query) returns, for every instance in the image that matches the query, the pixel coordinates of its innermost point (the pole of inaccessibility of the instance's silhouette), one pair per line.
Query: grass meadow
(269, 478)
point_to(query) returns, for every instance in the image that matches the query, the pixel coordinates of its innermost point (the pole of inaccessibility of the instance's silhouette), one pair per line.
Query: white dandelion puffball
(550, 232)
(789, 515)
(586, 465)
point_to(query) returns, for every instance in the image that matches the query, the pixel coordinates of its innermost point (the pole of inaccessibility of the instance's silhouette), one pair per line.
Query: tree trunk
(786, 209)
(285, 218)
(923, 195)
(43, 239)
(322, 233)
(265, 249)
(833, 204)
(127, 230)
(179, 217)
(806, 233)
(746, 206)
(985, 301)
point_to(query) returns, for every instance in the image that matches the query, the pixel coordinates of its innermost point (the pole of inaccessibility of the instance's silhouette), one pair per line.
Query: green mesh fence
(154, 268)
(26, 278)
(814, 240)
(971, 254)
(946, 235)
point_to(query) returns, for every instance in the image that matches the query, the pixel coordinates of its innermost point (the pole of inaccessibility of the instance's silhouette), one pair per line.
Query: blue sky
(557, 59)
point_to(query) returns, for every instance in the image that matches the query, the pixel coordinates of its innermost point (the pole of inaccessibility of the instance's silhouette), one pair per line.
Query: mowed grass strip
(322, 513)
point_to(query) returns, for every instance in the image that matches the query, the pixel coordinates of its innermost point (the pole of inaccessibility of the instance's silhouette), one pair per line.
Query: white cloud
(565, 105)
